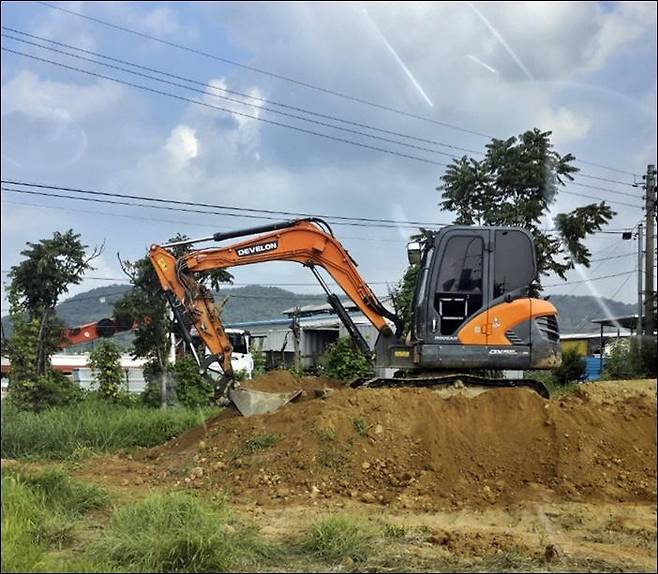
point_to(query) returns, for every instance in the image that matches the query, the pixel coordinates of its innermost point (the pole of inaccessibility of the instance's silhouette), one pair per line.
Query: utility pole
(640, 300)
(650, 215)
(296, 333)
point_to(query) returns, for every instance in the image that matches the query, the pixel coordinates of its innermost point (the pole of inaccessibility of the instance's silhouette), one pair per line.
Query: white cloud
(182, 146)
(567, 125)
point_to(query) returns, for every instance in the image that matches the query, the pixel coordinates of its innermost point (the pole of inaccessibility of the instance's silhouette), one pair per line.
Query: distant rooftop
(623, 321)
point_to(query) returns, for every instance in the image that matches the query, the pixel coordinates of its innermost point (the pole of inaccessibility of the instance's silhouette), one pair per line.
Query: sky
(459, 72)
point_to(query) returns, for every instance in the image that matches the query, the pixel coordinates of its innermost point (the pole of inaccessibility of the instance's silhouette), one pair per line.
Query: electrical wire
(224, 207)
(292, 80)
(262, 107)
(228, 110)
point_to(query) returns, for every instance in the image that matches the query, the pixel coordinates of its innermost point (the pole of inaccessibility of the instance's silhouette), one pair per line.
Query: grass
(260, 442)
(177, 532)
(338, 538)
(91, 426)
(38, 515)
(331, 453)
(360, 425)
(47, 526)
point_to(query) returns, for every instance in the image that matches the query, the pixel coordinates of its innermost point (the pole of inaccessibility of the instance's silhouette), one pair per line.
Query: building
(319, 326)
(76, 366)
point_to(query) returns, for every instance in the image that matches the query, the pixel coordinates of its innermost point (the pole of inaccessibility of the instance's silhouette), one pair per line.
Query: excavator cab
(472, 308)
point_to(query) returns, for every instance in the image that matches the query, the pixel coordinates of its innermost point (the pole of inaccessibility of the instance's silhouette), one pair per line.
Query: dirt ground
(563, 484)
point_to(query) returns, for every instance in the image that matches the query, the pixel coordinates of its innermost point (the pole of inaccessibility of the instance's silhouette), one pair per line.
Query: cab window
(514, 265)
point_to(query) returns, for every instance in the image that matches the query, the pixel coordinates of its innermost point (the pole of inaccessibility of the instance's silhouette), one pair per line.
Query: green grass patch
(38, 515)
(333, 453)
(360, 425)
(177, 532)
(260, 442)
(338, 538)
(90, 426)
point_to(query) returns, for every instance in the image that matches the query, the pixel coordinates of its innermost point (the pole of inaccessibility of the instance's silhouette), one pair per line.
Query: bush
(105, 363)
(342, 361)
(52, 389)
(572, 368)
(176, 532)
(192, 389)
(629, 360)
(91, 425)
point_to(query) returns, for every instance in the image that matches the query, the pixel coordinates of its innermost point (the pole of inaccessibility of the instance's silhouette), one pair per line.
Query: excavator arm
(303, 241)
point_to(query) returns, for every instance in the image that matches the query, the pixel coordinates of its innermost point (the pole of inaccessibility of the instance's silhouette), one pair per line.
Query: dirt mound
(285, 381)
(413, 448)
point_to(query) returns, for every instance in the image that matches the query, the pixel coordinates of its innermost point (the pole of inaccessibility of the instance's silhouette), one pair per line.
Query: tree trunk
(163, 382)
(41, 352)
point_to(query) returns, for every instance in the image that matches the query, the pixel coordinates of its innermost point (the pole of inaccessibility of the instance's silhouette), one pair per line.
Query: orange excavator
(471, 310)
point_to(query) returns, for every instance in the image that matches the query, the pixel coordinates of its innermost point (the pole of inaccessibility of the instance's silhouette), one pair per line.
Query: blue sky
(585, 70)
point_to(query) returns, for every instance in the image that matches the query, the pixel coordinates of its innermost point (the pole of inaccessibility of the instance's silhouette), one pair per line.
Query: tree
(105, 363)
(146, 304)
(515, 184)
(47, 271)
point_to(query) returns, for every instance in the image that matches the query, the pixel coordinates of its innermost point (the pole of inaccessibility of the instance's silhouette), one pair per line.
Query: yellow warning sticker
(401, 353)
(163, 264)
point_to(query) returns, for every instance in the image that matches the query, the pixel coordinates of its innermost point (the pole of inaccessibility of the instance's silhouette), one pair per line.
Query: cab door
(457, 289)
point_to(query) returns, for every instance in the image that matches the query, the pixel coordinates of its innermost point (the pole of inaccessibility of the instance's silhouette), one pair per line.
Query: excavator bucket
(250, 402)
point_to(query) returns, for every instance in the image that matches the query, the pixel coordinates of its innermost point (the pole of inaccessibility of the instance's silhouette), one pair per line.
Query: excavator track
(453, 380)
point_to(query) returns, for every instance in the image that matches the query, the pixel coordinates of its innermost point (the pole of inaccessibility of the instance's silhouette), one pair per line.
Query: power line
(265, 72)
(290, 79)
(177, 221)
(261, 107)
(238, 284)
(622, 285)
(588, 280)
(612, 257)
(207, 87)
(216, 206)
(281, 124)
(598, 198)
(113, 202)
(227, 110)
(349, 220)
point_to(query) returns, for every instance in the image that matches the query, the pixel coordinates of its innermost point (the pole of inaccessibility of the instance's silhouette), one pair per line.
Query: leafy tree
(47, 271)
(342, 361)
(105, 363)
(515, 185)
(146, 304)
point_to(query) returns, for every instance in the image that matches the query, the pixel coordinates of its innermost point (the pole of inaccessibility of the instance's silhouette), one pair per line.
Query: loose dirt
(503, 481)
(411, 448)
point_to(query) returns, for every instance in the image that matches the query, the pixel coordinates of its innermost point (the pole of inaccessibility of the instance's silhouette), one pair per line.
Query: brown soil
(410, 448)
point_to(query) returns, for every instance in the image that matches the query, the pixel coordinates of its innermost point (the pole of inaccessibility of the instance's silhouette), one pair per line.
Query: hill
(259, 303)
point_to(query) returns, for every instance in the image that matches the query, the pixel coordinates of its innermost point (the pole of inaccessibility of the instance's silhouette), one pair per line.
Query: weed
(91, 426)
(340, 537)
(38, 510)
(360, 425)
(62, 494)
(177, 532)
(331, 453)
(260, 442)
